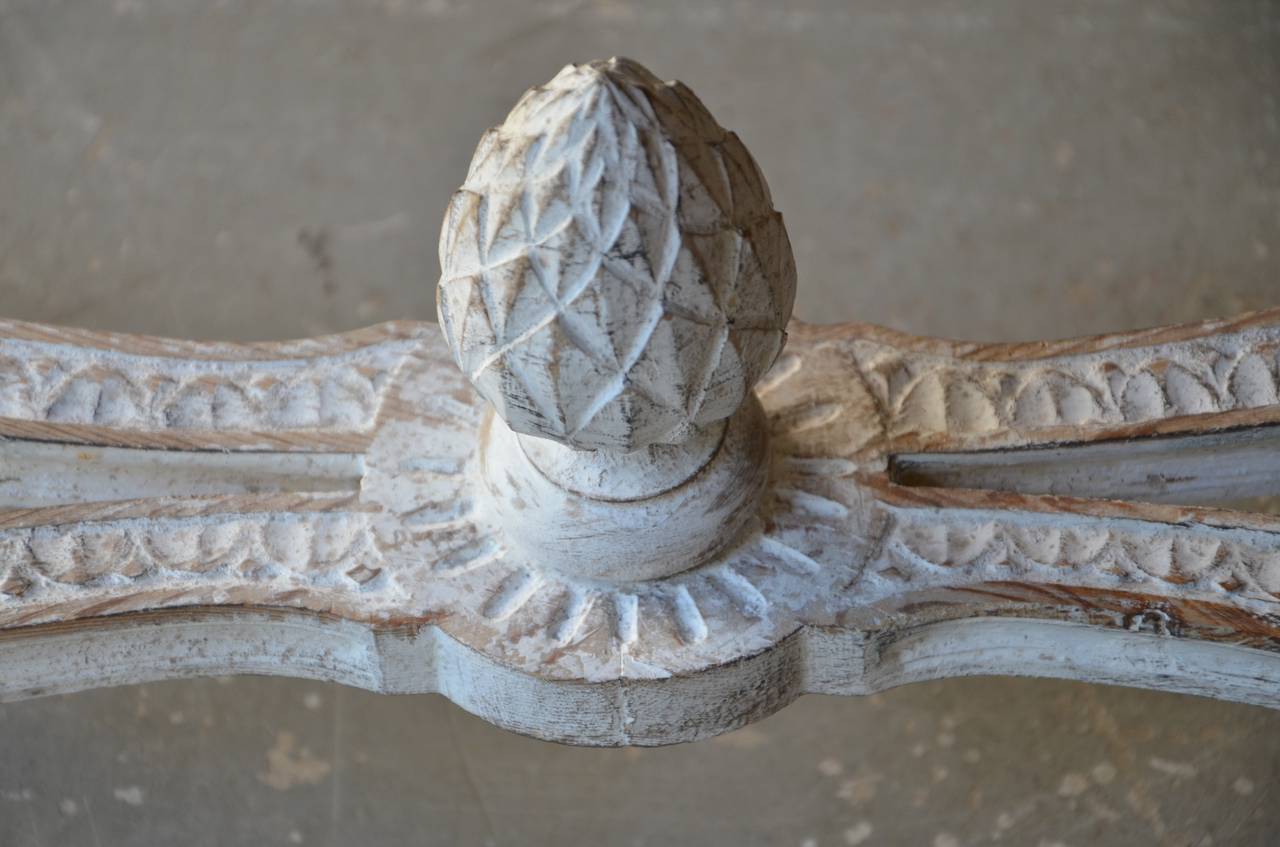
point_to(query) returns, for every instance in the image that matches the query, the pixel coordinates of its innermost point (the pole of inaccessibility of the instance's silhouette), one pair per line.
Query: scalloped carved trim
(923, 393)
(75, 385)
(923, 547)
(48, 565)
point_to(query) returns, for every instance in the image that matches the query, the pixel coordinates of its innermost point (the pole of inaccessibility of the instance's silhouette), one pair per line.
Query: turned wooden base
(586, 516)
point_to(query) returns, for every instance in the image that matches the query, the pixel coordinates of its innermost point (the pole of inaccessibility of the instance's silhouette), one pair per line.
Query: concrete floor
(994, 170)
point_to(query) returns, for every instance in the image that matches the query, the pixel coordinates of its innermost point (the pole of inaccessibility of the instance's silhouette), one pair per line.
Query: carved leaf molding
(923, 393)
(189, 558)
(71, 384)
(921, 548)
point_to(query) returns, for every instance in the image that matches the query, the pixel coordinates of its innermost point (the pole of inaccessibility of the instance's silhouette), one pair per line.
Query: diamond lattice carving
(614, 273)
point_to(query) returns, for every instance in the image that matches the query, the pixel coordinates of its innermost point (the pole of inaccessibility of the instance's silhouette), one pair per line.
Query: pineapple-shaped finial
(614, 273)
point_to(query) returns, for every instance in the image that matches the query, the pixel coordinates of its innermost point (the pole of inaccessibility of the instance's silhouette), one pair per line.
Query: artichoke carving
(614, 273)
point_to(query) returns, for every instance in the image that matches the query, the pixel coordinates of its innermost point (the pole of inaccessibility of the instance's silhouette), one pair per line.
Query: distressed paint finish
(360, 514)
(615, 274)
(70, 385)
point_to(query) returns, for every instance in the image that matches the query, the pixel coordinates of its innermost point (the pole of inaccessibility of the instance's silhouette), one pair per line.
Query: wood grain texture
(351, 508)
(1226, 466)
(835, 555)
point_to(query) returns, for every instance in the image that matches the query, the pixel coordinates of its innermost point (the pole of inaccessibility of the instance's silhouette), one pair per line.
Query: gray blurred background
(995, 170)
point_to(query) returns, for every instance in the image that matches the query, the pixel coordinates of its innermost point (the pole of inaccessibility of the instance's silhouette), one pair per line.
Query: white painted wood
(615, 274)
(683, 554)
(40, 473)
(641, 712)
(587, 518)
(1218, 468)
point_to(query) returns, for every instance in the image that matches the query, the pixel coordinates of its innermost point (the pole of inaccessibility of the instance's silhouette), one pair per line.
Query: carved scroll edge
(142, 647)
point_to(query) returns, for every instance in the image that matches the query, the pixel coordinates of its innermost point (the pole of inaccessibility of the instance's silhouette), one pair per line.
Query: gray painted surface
(1008, 170)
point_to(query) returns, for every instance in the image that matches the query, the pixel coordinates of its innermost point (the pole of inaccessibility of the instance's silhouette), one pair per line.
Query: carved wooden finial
(614, 273)
(879, 509)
